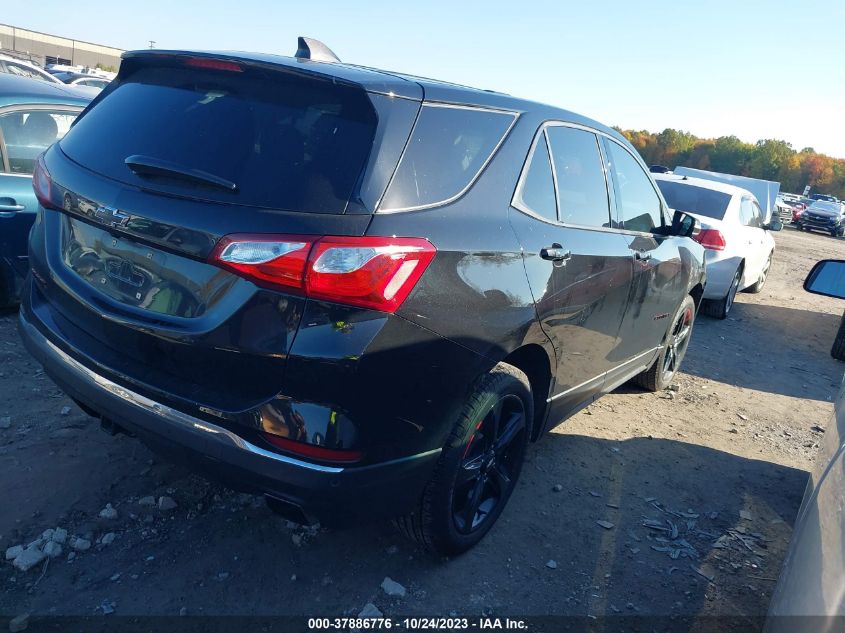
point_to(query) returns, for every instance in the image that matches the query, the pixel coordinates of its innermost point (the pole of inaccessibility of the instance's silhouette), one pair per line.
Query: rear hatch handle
(151, 166)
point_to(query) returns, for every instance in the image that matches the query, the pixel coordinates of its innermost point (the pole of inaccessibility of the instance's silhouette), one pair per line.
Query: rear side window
(637, 203)
(581, 183)
(537, 193)
(286, 140)
(448, 148)
(27, 133)
(694, 199)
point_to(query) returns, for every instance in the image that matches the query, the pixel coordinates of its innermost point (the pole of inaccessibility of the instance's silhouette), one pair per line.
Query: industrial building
(43, 49)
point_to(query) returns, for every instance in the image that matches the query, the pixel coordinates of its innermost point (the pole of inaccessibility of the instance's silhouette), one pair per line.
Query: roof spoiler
(315, 50)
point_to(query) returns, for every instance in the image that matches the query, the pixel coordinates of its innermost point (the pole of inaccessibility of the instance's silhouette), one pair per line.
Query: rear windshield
(282, 140)
(693, 199)
(448, 148)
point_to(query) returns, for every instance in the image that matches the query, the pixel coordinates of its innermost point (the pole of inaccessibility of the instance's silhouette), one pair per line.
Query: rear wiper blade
(148, 165)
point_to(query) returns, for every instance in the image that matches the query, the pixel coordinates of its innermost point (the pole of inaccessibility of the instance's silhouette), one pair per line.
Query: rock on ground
(166, 504)
(52, 549)
(392, 588)
(18, 624)
(370, 611)
(28, 558)
(108, 512)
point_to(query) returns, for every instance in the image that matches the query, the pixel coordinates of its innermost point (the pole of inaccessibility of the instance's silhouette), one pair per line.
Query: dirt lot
(737, 437)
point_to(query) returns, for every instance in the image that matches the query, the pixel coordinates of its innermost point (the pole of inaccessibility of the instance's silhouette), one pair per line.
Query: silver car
(812, 582)
(734, 233)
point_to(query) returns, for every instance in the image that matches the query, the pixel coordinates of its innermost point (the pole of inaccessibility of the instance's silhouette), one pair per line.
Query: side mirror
(684, 225)
(774, 225)
(827, 278)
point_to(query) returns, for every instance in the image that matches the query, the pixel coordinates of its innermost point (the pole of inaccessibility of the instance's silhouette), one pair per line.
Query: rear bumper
(720, 274)
(307, 491)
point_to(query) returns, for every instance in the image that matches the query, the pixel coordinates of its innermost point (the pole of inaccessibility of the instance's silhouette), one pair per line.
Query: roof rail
(315, 50)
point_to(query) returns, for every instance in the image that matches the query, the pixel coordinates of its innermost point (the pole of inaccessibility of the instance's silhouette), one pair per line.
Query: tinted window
(637, 203)
(581, 184)
(447, 149)
(538, 188)
(286, 141)
(28, 133)
(694, 199)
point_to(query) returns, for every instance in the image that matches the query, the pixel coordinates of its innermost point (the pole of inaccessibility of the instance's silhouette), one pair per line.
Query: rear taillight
(369, 272)
(712, 239)
(41, 183)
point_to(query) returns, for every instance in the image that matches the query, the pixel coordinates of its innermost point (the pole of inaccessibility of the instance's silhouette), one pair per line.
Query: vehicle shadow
(691, 495)
(790, 353)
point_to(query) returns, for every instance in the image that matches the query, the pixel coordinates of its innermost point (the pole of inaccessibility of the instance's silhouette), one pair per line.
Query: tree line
(767, 159)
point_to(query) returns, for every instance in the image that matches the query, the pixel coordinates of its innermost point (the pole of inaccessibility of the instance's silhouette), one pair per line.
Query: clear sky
(750, 68)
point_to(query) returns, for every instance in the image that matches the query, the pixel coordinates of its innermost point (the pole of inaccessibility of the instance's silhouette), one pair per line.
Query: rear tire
(666, 365)
(757, 287)
(838, 349)
(719, 308)
(475, 475)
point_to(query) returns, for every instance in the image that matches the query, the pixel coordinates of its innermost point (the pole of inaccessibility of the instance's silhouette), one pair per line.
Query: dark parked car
(33, 115)
(823, 216)
(359, 293)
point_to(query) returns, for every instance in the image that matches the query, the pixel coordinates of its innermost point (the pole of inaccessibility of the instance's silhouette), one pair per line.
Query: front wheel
(666, 365)
(479, 466)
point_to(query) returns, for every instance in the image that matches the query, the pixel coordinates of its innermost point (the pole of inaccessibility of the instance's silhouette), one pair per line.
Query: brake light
(213, 64)
(313, 451)
(369, 272)
(42, 183)
(712, 239)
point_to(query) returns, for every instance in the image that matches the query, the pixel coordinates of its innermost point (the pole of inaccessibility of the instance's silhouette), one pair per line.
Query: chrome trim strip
(473, 180)
(168, 414)
(601, 376)
(576, 387)
(518, 204)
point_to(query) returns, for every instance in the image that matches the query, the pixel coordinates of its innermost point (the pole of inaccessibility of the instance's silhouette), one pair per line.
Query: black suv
(357, 292)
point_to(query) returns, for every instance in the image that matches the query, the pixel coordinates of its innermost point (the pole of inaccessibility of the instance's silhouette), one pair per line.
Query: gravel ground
(696, 491)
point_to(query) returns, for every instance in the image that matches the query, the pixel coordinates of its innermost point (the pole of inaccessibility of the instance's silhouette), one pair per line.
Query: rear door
(579, 269)
(25, 132)
(753, 238)
(658, 280)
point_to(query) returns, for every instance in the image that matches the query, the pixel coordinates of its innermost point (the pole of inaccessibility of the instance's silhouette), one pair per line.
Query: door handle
(642, 255)
(555, 253)
(9, 210)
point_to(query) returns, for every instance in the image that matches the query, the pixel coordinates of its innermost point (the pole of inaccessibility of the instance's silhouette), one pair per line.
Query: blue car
(33, 115)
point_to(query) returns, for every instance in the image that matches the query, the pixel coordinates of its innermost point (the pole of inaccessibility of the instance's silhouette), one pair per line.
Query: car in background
(82, 80)
(738, 245)
(12, 66)
(33, 115)
(809, 594)
(823, 196)
(363, 294)
(825, 216)
(785, 208)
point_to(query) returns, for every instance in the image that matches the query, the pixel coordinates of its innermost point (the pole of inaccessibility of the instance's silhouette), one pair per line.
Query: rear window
(449, 147)
(283, 140)
(695, 199)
